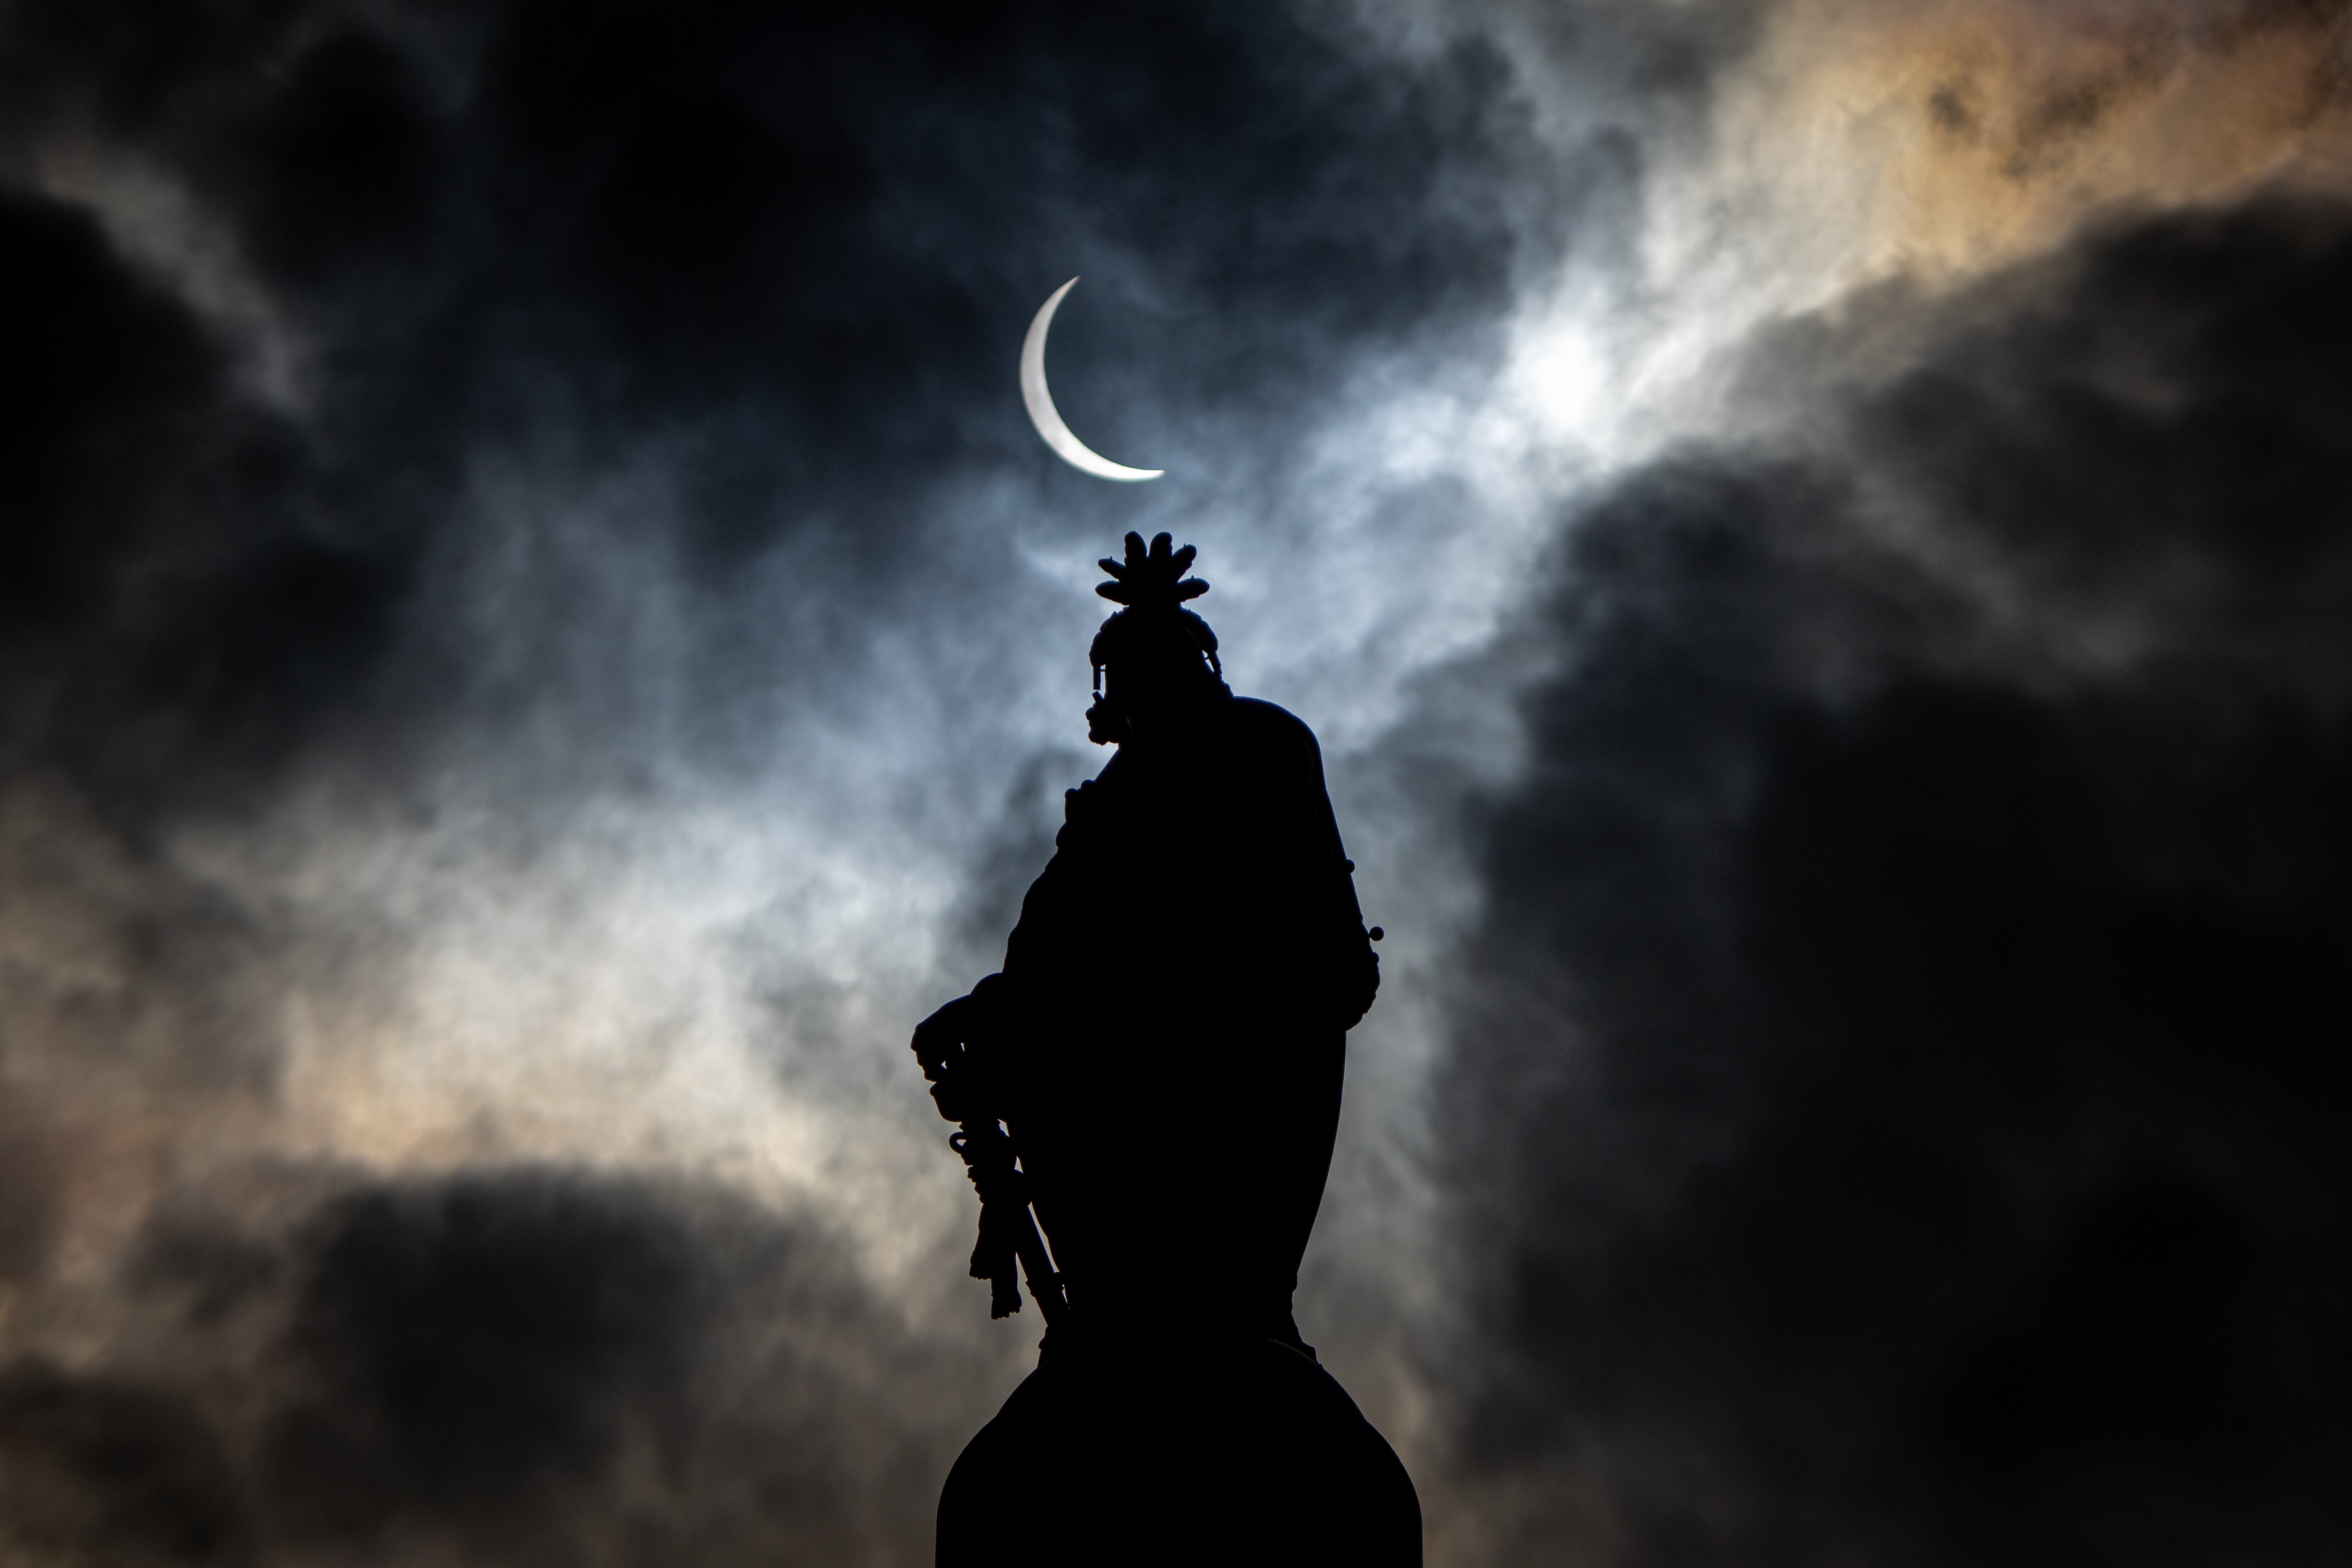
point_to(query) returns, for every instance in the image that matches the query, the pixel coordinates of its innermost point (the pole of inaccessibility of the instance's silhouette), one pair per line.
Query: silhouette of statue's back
(1163, 1051)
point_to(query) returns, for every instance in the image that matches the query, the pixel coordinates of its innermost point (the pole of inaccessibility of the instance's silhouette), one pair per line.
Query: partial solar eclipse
(1047, 418)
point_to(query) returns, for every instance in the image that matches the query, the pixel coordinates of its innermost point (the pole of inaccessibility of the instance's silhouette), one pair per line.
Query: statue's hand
(940, 1038)
(942, 1044)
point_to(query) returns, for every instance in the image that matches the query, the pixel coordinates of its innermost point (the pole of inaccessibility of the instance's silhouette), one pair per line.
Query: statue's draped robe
(1180, 987)
(1168, 1051)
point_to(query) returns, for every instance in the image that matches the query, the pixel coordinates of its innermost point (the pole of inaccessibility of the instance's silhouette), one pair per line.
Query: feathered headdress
(1152, 585)
(1152, 579)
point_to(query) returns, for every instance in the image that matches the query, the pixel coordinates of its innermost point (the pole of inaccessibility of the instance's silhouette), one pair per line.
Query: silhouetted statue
(1163, 1055)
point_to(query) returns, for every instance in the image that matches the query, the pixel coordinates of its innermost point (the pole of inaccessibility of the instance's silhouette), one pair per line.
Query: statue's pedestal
(1247, 1452)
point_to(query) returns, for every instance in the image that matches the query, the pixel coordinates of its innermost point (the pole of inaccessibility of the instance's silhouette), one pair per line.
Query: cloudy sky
(536, 640)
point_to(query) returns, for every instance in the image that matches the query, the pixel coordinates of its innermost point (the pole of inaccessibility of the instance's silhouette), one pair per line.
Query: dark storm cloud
(474, 1341)
(113, 1469)
(1900, 1076)
(502, 1366)
(168, 601)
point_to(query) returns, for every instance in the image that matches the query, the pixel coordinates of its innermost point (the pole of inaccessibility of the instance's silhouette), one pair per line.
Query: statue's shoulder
(1274, 742)
(1275, 747)
(1263, 723)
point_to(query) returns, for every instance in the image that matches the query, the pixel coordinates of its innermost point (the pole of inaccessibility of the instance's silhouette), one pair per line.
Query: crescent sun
(1042, 412)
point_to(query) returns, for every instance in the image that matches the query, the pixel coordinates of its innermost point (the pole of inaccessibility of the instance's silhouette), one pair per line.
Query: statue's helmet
(1155, 633)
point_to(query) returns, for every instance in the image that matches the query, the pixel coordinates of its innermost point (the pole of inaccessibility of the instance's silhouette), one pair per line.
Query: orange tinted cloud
(1957, 136)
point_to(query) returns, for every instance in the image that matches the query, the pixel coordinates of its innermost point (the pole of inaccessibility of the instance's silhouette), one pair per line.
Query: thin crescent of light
(1048, 420)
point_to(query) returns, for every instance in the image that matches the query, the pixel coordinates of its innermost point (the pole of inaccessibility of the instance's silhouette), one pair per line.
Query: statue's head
(1159, 658)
